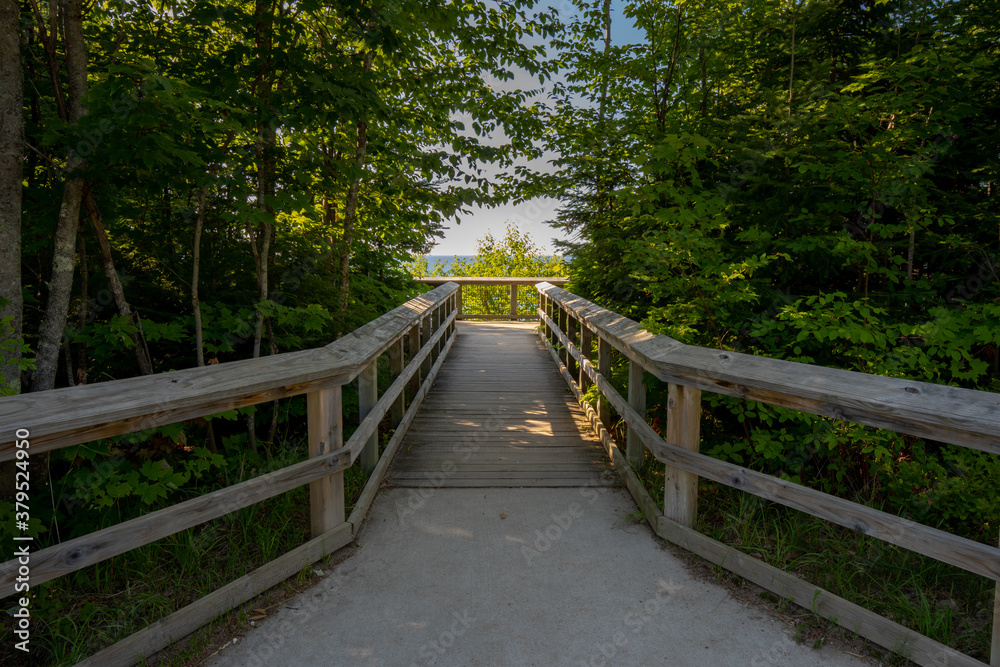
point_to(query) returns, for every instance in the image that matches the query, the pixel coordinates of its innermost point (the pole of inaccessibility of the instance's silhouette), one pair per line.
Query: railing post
(635, 451)
(435, 325)
(513, 302)
(995, 648)
(553, 310)
(604, 368)
(458, 316)
(570, 330)
(414, 345)
(367, 397)
(680, 499)
(541, 320)
(456, 305)
(563, 320)
(425, 335)
(325, 417)
(587, 351)
(395, 368)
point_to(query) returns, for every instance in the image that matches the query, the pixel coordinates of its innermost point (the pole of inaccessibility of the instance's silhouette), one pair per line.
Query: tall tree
(11, 160)
(53, 324)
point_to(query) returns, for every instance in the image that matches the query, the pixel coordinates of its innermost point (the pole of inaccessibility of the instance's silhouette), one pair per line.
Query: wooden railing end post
(325, 417)
(680, 499)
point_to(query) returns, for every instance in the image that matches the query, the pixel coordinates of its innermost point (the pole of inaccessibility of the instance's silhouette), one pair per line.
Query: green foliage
(10, 345)
(132, 472)
(829, 199)
(516, 254)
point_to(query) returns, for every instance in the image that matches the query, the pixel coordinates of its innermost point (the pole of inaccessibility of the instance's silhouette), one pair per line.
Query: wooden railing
(496, 298)
(416, 337)
(963, 417)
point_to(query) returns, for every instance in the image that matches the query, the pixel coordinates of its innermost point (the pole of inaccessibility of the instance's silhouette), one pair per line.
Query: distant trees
(515, 254)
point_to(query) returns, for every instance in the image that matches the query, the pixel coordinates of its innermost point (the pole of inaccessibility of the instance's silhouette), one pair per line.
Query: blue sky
(530, 216)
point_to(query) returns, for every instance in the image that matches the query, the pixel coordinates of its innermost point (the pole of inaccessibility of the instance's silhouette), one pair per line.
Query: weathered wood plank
(918, 648)
(419, 439)
(181, 623)
(950, 414)
(530, 443)
(486, 451)
(624, 470)
(464, 425)
(516, 474)
(680, 488)
(367, 398)
(413, 346)
(635, 450)
(74, 415)
(604, 366)
(406, 467)
(967, 554)
(995, 638)
(505, 457)
(425, 336)
(396, 365)
(866, 623)
(378, 474)
(586, 347)
(477, 280)
(325, 418)
(370, 423)
(80, 552)
(595, 480)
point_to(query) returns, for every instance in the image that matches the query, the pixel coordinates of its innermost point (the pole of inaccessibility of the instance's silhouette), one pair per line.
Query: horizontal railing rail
(416, 336)
(508, 298)
(963, 417)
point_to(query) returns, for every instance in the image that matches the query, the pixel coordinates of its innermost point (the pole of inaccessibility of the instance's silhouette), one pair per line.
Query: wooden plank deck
(499, 415)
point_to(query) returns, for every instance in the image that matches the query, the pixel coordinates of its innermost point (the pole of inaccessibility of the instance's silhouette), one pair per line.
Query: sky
(530, 216)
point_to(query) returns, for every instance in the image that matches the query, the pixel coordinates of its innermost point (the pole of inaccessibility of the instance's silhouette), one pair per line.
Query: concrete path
(537, 576)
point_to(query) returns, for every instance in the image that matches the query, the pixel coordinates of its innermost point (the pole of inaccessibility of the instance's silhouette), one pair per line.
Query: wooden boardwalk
(499, 415)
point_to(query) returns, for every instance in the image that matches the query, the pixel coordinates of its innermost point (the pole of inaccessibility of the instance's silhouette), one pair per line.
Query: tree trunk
(261, 254)
(142, 356)
(910, 250)
(50, 332)
(199, 343)
(266, 136)
(350, 215)
(11, 161)
(81, 350)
